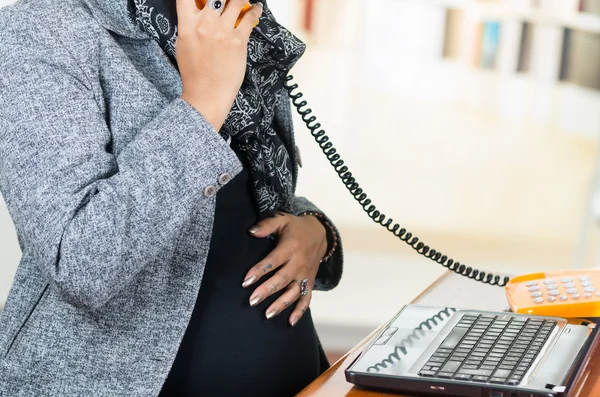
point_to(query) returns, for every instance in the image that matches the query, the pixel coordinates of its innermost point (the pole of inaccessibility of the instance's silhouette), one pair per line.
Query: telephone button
(551, 299)
(575, 296)
(551, 287)
(587, 295)
(533, 289)
(554, 292)
(589, 289)
(584, 278)
(536, 294)
(538, 300)
(567, 280)
(569, 285)
(586, 283)
(531, 283)
(563, 297)
(572, 291)
(549, 281)
(597, 293)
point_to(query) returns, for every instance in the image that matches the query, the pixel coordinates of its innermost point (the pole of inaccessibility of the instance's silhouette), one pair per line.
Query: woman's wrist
(331, 234)
(212, 112)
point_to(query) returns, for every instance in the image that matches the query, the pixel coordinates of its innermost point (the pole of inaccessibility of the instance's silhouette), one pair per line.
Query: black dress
(230, 348)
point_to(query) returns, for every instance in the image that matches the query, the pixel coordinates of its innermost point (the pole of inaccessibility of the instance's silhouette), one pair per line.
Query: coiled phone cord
(361, 197)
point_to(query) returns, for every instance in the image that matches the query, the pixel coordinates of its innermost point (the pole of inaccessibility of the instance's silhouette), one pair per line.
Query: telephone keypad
(567, 294)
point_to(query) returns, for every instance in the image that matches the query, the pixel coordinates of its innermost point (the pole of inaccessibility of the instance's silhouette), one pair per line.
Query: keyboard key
(453, 339)
(451, 366)
(428, 374)
(488, 367)
(502, 373)
(498, 380)
(480, 378)
(437, 360)
(476, 372)
(445, 375)
(462, 377)
(513, 381)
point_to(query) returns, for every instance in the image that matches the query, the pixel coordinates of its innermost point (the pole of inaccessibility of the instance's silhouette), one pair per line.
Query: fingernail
(254, 229)
(295, 321)
(249, 281)
(254, 301)
(272, 314)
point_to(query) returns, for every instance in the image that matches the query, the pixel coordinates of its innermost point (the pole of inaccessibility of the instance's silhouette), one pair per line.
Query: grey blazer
(110, 179)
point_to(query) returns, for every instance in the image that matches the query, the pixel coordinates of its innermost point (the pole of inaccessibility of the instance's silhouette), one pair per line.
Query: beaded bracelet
(331, 234)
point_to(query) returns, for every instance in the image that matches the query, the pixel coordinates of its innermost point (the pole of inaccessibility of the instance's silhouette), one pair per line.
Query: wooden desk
(453, 291)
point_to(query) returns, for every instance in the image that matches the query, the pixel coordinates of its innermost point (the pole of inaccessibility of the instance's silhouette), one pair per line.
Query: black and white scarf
(250, 122)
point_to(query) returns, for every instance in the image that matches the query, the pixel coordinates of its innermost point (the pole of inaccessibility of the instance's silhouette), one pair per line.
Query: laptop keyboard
(497, 349)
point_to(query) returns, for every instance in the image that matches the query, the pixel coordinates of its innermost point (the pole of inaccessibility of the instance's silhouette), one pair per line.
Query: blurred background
(474, 123)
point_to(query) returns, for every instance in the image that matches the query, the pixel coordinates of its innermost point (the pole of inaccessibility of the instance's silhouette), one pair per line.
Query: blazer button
(225, 179)
(210, 191)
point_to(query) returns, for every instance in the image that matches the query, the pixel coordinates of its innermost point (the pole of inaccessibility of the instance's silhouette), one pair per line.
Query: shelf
(574, 19)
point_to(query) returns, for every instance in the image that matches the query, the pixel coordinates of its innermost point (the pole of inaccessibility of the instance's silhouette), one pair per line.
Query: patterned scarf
(250, 122)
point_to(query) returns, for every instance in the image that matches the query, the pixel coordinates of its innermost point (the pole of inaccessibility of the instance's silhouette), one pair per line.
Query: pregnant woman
(148, 162)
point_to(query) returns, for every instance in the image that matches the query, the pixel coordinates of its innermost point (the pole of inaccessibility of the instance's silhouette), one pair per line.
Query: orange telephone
(202, 3)
(565, 294)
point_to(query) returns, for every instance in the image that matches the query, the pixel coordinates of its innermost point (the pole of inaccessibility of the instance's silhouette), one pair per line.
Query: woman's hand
(211, 55)
(302, 245)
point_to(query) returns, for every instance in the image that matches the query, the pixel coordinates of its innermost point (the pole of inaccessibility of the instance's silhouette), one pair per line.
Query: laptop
(450, 352)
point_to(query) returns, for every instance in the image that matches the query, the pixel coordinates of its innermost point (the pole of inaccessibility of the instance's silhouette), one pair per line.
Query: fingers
(186, 9)
(250, 19)
(232, 11)
(290, 296)
(272, 286)
(279, 256)
(301, 308)
(269, 226)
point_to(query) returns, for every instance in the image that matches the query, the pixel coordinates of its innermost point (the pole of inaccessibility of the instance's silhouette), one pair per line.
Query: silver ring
(303, 286)
(217, 5)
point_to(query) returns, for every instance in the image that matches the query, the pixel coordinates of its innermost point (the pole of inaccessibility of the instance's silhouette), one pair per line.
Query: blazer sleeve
(330, 272)
(93, 220)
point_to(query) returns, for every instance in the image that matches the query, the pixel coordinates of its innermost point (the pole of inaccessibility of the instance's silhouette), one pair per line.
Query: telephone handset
(202, 3)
